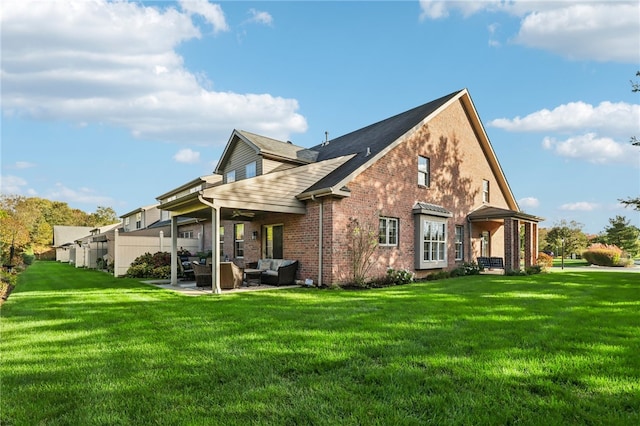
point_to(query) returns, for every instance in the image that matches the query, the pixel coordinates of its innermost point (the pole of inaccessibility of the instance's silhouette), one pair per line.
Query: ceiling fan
(242, 213)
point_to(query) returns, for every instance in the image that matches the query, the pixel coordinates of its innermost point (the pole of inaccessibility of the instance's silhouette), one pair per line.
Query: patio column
(215, 250)
(529, 244)
(174, 250)
(511, 244)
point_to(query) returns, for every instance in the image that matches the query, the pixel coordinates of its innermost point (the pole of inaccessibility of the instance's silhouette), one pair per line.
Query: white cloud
(579, 206)
(212, 13)
(601, 31)
(260, 17)
(12, 184)
(23, 165)
(82, 195)
(187, 156)
(598, 150)
(529, 202)
(124, 71)
(598, 31)
(619, 118)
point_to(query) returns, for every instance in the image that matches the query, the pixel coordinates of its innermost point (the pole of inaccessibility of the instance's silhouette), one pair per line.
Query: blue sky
(115, 103)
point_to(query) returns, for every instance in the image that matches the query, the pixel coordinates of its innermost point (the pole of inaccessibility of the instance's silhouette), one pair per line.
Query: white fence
(128, 248)
(122, 250)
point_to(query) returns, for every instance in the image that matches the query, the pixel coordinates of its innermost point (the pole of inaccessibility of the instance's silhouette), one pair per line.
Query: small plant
(399, 276)
(533, 269)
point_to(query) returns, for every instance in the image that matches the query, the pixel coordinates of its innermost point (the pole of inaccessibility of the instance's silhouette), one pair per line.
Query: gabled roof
(371, 141)
(268, 148)
(140, 209)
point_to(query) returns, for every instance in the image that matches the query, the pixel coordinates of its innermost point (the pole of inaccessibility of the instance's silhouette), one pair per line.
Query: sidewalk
(595, 268)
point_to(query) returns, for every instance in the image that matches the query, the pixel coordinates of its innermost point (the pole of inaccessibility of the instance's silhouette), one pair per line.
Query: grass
(80, 347)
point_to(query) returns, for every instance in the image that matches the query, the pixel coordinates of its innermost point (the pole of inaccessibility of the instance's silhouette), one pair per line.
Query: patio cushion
(264, 264)
(271, 272)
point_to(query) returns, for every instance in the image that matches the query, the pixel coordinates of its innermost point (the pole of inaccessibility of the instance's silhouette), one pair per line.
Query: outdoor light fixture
(254, 235)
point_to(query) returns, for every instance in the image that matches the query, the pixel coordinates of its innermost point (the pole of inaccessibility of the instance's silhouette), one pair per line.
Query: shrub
(605, 255)
(151, 266)
(533, 269)
(544, 260)
(399, 276)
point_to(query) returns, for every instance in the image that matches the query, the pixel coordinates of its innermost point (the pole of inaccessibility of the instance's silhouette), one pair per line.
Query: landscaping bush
(399, 276)
(157, 265)
(544, 260)
(605, 255)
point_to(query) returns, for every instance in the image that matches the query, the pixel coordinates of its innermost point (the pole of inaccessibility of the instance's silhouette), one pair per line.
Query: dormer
(248, 155)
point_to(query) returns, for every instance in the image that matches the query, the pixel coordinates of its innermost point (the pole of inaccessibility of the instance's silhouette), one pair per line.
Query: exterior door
(273, 245)
(484, 245)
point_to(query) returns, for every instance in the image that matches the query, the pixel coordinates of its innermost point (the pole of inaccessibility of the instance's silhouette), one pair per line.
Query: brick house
(427, 180)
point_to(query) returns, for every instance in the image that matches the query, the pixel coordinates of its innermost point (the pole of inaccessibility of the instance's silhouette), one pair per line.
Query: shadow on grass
(473, 350)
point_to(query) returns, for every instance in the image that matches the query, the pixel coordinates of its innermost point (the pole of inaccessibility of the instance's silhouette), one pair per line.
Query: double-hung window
(459, 242)
(388, 228)
(250, 170)
(423, 171)
(485, 191)
(238, 235)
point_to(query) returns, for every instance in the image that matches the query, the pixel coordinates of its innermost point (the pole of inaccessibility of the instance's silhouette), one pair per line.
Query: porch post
(511, 244)
(215, 250)
(174, 250)
(528, 245)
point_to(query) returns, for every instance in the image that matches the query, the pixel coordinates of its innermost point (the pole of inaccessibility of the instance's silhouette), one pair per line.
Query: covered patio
(488, 223)
(248, 200)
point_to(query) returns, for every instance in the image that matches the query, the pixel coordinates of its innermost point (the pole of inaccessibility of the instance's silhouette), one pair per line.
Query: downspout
(215, 244)
(320, 240)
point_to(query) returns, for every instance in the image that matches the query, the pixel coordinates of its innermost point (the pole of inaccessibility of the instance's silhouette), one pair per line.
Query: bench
(491, 262)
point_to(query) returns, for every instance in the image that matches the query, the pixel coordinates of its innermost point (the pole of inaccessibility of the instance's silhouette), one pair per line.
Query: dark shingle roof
(375, 138)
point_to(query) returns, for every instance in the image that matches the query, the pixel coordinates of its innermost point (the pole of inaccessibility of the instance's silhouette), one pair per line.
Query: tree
(26, 224)
(363, 241)
(568, 235)
(103, 216)
(634, 202)
(621, 233)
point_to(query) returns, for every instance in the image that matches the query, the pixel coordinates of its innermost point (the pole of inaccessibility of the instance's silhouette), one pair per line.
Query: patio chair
(186, 270)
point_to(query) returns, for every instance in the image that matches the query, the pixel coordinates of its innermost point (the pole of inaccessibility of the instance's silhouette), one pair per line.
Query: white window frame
(238, 241)
(385, 237)
(185, 234)
(485, 191)
(459, 242)
(231, 176)
(251, 169)
(424, 171)
(431, 242)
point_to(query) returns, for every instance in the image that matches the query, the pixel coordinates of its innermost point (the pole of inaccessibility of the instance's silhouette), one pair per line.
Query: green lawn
(82, 348)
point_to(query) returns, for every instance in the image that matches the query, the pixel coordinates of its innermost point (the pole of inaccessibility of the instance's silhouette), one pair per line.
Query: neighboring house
(426, 180)
(142, 218)
(65, 237)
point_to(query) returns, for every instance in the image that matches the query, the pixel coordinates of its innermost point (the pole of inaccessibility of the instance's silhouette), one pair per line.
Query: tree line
(26, 223)
(568, 235)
